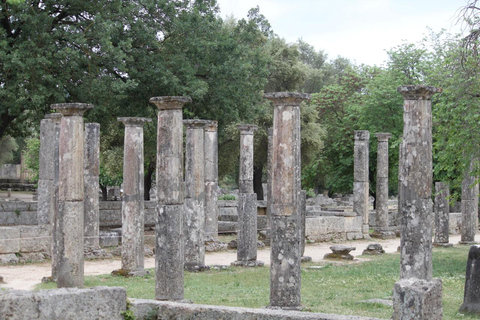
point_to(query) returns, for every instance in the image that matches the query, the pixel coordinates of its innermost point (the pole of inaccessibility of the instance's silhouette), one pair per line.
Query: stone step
(228, 217)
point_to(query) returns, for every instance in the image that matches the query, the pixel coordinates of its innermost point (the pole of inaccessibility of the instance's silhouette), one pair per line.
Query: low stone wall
(10, 171)
(25, 239)
(111, 214)
(64, 304)
(327, 228)
(151, 309)
(18, 213)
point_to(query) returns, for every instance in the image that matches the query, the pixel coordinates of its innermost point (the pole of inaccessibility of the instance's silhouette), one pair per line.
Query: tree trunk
(257, 181)
(104, 192)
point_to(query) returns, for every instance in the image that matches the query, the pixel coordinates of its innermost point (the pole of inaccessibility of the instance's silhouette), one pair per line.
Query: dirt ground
(25, 277)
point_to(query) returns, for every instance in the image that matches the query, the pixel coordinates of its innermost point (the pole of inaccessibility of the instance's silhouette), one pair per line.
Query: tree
(8, 146)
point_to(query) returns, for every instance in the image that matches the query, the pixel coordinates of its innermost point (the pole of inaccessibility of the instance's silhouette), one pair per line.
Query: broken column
(382, 229)
(471, 297)
(247, 202)
(70, 194)
(195, 195)
(169, 247)
(133, 207)
(442, 211)
(469, 207)
(285, 276)
(417, 292)
(92, 173)
(211, 181)
(360, 178)
(46, 172)
(56, 118)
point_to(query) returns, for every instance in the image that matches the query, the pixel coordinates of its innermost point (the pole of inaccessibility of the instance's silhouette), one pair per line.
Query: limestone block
(415, 299)
(64, 304)
(109, 239)
(35, 238)
(9, 239)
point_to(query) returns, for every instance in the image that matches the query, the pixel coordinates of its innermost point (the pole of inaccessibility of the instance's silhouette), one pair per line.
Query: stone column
(268, 236)
(46, 172)
(195, 195)
(169, 248)
(211, 181)
(92, 173)
(382, 229)
(469, 207)
(133, 207)
(247, 202)
(285, 275)
(70, 194)
(56, 118)
(360, 178)
(441, 209)
(417, 213)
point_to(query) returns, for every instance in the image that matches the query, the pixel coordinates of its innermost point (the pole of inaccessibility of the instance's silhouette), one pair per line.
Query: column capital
(196, 123)
(134, 121)
(71, 109)
(362, 134)
(420, 92)
(383, 136)
(247, 128)
(170, 102)
(287, 98)
(55, 117)
(211, 126)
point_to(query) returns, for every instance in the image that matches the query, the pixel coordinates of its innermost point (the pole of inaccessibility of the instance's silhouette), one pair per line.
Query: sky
(360, 30)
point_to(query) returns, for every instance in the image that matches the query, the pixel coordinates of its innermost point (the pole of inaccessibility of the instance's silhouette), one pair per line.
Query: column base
(248, 264)
(195, 267)
(442, 244)
(306, 259)
(417, 299)
(383, 234)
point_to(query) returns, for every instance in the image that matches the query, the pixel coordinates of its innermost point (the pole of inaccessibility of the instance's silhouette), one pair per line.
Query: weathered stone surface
(211, 180)
(303, 218)
(64, 304)
(469, 208)
(245, 181)
(471, 297)
(169, 252)
(35, 238)
(441, 209)
(247, 227)
(9, 239)
(374, 249)
(329, 228)
(382, 182)
(91, 183)
(285, 275)
(269, 186)
(415, 299)
(194, 234)
(416, 183)
(47, 148)
(360, 176)
(340, 252)
(174, 310)
(109, 239)
(45, 200)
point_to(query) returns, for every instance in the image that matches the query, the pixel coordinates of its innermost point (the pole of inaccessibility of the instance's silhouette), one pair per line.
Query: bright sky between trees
(360, 30)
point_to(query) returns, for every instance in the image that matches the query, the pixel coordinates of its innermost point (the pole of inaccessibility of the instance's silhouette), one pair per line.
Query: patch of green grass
(335, 288)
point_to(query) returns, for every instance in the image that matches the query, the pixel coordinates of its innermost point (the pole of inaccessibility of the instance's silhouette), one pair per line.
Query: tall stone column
(133, 207)
(469, 207)
(56, 119)
(360, 178)
(195, 195)
(247, 202)
(46, 172)
(285, 275)
(70, 194)
(382, 229)
(442, 210)
(92, 173)
(268, 235)
(211, 181)
(169, 247)
(417, 213)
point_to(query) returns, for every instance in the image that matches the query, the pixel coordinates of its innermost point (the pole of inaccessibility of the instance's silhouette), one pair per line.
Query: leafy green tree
(8, 146)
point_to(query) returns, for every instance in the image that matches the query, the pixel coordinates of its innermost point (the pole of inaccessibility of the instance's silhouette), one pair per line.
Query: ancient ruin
(469, 207)
(442, 212)
(92, 172)
(360, 178)
(211, 180)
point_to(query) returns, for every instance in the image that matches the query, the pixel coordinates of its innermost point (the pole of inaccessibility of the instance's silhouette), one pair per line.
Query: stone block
(109, 239)
(455, 222)
(35, 238)
(416, 299)
(9, 239)
(64, 304)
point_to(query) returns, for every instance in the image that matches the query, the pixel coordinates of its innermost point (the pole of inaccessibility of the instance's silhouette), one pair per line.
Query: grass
(335, 288)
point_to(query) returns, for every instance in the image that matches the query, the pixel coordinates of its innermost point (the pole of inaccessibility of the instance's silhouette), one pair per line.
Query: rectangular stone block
(360, 199)
(64, 304)
(9, 239)
(35, 238)
(415, 299)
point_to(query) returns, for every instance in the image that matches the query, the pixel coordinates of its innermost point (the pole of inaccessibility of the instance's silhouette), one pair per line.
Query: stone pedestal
(471, 297)
(285, 275)
(469, 208)
(169, 247)
(211, 181)
(360, 178)
(92, 173)
(382, 229)
(194, 224)
(56, 118)
(70, 194)
(441, 209)
(133, 208)
(415, 299)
